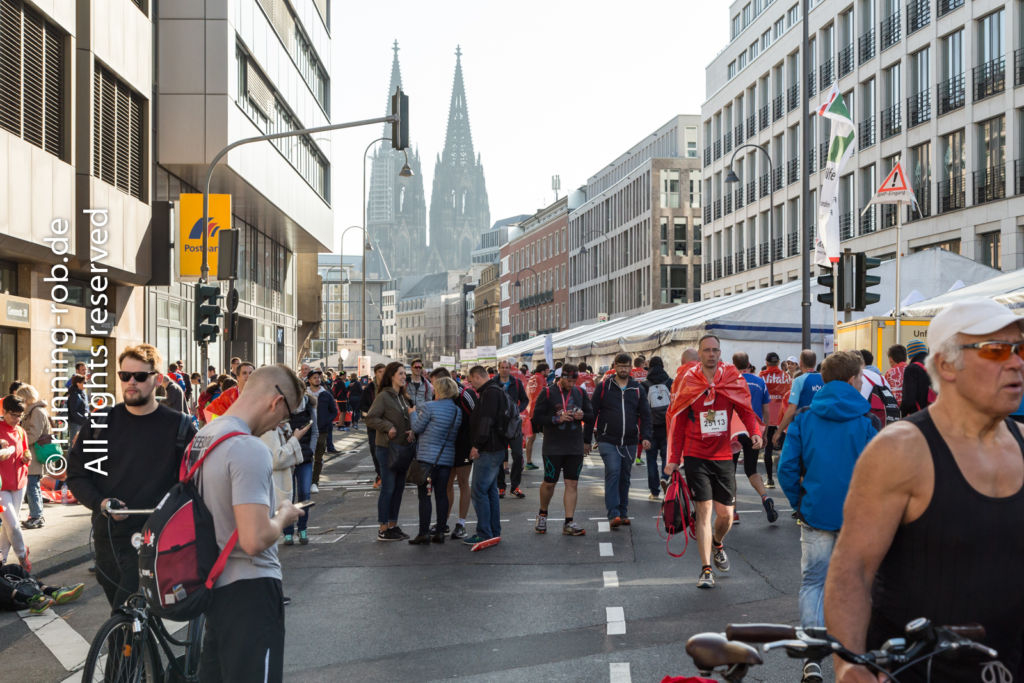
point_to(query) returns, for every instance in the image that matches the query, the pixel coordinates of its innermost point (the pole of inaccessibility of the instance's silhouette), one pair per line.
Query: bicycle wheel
(119, 655)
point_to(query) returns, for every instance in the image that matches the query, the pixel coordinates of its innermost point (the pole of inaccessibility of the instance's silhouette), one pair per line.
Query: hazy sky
(556, 87)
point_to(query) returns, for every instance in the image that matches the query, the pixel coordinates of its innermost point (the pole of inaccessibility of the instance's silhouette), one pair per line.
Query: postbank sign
(190, 232)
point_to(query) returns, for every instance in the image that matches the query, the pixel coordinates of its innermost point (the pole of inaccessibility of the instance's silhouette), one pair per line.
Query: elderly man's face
(995, 387)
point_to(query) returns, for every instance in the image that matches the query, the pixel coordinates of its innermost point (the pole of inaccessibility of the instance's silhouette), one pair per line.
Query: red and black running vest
(960, 562)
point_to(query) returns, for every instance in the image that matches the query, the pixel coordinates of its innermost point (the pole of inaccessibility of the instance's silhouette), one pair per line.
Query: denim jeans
(439, 485)
(485, 493)
(618, 464)
(302, 477)
(815, 553)
(392, 486)
(658, 449)
(34, 496)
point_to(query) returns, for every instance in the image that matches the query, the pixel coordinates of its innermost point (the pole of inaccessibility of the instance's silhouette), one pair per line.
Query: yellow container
(878, 333)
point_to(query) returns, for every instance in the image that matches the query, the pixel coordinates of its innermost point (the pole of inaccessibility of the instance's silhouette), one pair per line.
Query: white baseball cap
(971, 316)
(792, 359)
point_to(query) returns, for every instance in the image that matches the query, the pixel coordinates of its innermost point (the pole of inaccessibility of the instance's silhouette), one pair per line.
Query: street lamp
(608, 270)
(731, 177)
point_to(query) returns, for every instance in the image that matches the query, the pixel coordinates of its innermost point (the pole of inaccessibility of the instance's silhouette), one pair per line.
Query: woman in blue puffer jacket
(437, 423)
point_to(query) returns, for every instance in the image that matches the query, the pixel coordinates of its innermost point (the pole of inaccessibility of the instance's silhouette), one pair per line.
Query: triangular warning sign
(895, 181)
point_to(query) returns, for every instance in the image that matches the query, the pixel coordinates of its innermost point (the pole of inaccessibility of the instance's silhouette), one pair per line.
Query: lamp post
(608, 270)
(517, 283)
(731, 177)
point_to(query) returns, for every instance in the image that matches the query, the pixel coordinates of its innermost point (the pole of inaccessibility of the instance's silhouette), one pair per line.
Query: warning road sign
(894, 189)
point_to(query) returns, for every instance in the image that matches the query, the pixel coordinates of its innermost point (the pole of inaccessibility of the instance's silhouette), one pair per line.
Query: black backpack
(179, 558)
(510, 422)
(883, 403)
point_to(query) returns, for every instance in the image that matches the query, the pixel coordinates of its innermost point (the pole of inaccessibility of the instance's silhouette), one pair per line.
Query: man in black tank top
(934, 519)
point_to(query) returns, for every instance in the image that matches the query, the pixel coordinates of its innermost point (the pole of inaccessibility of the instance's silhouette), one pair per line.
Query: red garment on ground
(728, 393)
(778, 382)
(14, 472)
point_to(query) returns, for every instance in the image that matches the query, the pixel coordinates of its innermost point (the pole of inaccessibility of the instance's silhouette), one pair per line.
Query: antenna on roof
(556, 185)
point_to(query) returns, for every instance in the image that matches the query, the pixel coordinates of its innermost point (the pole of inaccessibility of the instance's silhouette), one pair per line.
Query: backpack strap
(179, 439)
(187, 471)
(222, 559)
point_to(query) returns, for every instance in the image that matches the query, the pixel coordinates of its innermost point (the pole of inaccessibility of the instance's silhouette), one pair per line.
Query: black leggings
(750, 456)
(769, 450)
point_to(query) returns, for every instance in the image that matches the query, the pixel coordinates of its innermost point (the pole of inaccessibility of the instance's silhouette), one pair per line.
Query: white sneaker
(654, 497)
(314, 489)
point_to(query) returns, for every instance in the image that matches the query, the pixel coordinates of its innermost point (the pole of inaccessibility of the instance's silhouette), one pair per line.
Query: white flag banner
(840, 148)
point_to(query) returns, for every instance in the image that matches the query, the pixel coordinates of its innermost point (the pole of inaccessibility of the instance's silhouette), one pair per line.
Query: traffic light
(843, 291)
(206, 314)
(828, 280)
(400, 129)
(227, 255)
(863, 297)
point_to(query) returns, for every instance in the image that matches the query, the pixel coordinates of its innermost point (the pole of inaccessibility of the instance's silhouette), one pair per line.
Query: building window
(664, 235)
(8, 277)
(792, 16)
(673, 284)
(32, 68)
(989, 252)
(695, 189)
(670, 189)
(732, 69)
(117, 141)
(679, 230)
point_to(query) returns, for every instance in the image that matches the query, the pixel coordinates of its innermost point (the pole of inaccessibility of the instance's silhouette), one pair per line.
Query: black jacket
(561, 438)
(916, 384)
(485, 422)
(657, 376)
(621, 416)
(468, 401)
(78, 412)
(516, 391)
(366, 400)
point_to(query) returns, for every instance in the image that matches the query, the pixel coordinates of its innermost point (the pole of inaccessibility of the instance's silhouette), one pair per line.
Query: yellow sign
(190, 232)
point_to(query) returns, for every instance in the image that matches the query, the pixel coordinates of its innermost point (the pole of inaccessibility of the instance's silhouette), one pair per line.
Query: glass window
(670, 189)
(664, 236)
(8, 278)
(990, 37)
(992, 143)
(989, 251)
(680, 236)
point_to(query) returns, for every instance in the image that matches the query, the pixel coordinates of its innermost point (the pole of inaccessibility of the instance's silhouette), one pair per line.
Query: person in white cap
(933, 524)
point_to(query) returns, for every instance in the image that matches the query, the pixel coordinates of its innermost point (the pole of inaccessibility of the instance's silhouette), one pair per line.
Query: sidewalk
(64, 541)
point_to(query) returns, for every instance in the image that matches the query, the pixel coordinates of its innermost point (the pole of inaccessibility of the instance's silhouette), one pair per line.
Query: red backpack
(677, 513)
(179, 558)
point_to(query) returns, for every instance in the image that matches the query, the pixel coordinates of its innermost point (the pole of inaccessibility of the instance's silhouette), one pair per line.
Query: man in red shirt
(219, 406)
(699, 416)
(639, 372)
(585, 380)
(778, 382)
(897, 365)
(537, 382)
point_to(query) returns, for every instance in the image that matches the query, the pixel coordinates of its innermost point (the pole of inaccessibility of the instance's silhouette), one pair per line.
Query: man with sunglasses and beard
(132, 463)
(933, 524)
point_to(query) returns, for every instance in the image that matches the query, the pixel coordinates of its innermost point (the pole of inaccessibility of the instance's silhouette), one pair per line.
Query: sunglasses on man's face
(140, 377)
(284, 398)
(998, 351)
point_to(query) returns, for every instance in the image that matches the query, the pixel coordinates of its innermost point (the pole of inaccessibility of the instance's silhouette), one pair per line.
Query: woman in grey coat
(437, 424)
(389, 417)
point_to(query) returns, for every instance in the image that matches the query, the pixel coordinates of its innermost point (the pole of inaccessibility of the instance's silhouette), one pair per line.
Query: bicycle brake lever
(799, 645)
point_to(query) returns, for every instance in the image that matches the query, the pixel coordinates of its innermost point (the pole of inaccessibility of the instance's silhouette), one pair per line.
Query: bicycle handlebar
(760, 633)
(127, 511)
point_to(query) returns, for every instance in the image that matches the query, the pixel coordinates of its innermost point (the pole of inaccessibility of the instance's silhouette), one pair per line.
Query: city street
(609, 606)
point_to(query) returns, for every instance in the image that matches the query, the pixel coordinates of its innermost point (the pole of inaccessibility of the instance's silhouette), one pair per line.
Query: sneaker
(639, 461)
(720, 558)
(542, 524)
(501, 493)
(286, 601)
(401, 534)
(769, 509)
(421, 539)
(39, 603)
(434, 530)
(92, 569)
(518, 493)
(654, 497)
(314, 489)
(812, 673)
(474, 539)
(615, 522)
(486, 543)
(706, 579)
(66, 594)
(303, 538)
(735, 517)
(770, 484)
(573, 529)
(33, 523)
(531, 466)
(387, 535)
(459, 532)
(626, 521)
(376, 484)
(289, 539)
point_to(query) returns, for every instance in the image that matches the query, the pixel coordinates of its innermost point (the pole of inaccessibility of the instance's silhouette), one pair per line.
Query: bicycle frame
(140, 614)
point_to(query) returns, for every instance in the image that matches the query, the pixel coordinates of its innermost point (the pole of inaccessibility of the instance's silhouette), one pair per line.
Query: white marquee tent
(1006, 289)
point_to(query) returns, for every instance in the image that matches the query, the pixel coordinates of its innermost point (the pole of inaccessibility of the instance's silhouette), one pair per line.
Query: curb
(61, 561)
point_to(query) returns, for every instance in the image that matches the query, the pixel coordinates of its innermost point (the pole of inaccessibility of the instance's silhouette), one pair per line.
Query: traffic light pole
(204, 276)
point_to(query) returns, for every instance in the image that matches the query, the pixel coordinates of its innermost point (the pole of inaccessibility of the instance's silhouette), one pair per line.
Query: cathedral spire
(458, 144)
(396, 82)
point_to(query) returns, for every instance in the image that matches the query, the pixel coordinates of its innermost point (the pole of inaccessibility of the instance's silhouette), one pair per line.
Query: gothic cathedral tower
(459, 211)
(396, 211)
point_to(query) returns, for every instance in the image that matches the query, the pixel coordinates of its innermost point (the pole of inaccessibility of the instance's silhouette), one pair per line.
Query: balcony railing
(923, 194)
(792, 171)
(738, 134)
(793, 97)
(792, 244)
(890, 30)
(739, 198)
(811, 159)
(751, 191)
(951, 193)
(812, 84)
(728, 141)
(762, 184)
(919, 15)
(1018, 176)
(867, 221)
(846, 225)
(728, 265)
(866, 132)
(989, 78)
(707, 213)
(718, 208)
(777, 249)
(537, 299)
(707, 272)
(777, 110)
(718, 268)
(827, 72)
(777, 179)
(762, 249)
(739, 261)
(728, 203)
(846, 60)
(866, 46)
(919, 108)
(823, 154)
(1018, 67)
(889, 215)
(751, 258)
(762, 117)
(707, 156)
(944, 7)
(892, 123)
(718, 149)
(752, 123)
(989, 184)
(949, 94)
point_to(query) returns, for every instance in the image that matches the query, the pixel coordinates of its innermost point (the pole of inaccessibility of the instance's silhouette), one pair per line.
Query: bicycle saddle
(712, 650)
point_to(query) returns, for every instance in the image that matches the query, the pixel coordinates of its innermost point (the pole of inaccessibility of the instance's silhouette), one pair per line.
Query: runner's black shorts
(569, 465)
(244, 638)
(711, 480)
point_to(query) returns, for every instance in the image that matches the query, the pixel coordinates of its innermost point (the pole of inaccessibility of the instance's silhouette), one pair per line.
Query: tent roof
(1006, 289)
(768, 313)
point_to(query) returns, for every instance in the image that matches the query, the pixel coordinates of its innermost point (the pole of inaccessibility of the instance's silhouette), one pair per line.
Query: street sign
(894, 189)
(190, 232)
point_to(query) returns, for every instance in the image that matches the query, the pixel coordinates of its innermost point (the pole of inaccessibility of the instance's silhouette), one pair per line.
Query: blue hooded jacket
(822, 445)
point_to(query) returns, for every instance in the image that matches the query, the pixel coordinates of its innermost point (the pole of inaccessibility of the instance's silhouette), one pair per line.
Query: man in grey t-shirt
(244, 638)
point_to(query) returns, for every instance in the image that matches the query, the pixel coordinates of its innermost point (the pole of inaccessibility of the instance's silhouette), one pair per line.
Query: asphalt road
(608, 606)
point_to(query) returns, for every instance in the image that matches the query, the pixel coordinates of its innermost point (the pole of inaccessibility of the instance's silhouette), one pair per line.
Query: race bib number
(714, 422)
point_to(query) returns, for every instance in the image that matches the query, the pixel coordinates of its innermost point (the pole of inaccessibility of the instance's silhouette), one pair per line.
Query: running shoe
(401, 534)
(735, 517)
(654, 497)
(573, 529)
(542, 524)
(615, 522)
(531, 466)
(303, 538)
(39, 603)
(720, 558)
(474, 539)
(625, 521)
(639, 461)
(459, 532)
(314, 489)
(769, 509)
(518, 493)
(812, 672)
(387, 535)
(289, 539)
(706, 579)
(33, 523)
(66, 594)
(770, 484)
(501, 493)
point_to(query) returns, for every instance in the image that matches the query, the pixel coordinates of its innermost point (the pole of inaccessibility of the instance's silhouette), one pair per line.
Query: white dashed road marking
(606, 549)
(616, 621)
(603, 526)
(66, 644)
(619, 672)
(611, 579)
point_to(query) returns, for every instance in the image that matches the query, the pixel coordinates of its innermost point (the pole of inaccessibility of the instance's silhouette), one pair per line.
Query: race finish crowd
(907, 484)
